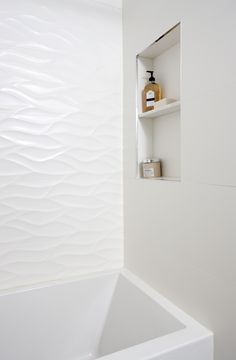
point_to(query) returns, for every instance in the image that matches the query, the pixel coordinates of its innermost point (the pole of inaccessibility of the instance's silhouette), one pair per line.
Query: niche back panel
(158, 131)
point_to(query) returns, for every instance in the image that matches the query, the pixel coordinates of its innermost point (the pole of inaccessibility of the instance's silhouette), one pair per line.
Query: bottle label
(148, 172)
(150, 98)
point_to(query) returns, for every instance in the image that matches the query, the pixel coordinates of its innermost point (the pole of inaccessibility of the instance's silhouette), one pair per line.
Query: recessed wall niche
(158, 130)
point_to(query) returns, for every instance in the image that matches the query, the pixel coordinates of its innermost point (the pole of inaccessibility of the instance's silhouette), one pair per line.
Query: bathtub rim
(192, 332)
(59, 281)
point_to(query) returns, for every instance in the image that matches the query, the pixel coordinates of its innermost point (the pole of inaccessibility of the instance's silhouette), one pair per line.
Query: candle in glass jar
(151, 168)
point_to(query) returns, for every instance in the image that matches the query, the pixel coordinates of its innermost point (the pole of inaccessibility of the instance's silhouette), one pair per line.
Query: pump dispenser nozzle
(151, 79)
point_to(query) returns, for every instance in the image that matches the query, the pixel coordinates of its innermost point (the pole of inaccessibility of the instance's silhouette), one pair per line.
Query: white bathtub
(110, 317)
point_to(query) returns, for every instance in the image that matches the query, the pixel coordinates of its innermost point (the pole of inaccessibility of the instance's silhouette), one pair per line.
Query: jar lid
(149, 161)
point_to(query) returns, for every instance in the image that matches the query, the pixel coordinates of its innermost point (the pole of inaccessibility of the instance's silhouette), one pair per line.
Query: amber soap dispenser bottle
(151, 93)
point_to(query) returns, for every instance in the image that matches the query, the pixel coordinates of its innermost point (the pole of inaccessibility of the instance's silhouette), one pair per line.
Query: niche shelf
(158, 131)
(163, 110)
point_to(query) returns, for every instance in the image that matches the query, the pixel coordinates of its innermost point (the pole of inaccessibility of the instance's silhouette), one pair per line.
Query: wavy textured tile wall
(60, 140)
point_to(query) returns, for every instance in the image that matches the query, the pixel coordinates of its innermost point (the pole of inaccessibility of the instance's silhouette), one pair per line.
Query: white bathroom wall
(180, 237)
(60, 139)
